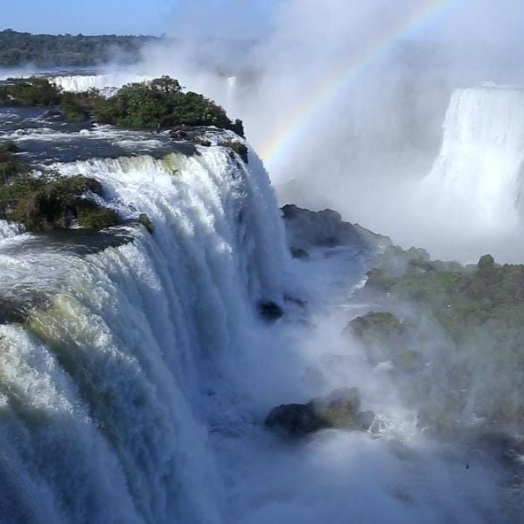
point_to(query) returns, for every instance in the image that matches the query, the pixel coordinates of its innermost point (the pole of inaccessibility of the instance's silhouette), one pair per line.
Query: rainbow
(285, 134)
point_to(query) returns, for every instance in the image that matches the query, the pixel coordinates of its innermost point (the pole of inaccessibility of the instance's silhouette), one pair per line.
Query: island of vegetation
(446, 329)
(157, 104)
(49, 201)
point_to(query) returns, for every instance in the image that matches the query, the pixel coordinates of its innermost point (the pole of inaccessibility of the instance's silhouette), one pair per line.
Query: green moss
(377, 328)
(146, 222)
(53, 202)
(91, 216)
(239, 148)
(410, 360)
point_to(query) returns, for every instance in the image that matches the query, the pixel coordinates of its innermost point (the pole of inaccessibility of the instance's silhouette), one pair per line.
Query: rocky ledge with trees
(159, 104)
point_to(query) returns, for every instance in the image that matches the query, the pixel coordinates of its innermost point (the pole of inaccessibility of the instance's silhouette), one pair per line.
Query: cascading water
(135, 386)
(476, 181)
(98, 388)
(82, 83)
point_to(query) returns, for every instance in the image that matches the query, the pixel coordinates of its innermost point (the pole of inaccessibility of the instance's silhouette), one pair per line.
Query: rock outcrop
(340, 410)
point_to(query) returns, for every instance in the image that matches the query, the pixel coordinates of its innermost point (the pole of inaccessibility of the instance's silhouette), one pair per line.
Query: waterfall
(81, 83)
(135, 383)
(476, 180)
(99, 390)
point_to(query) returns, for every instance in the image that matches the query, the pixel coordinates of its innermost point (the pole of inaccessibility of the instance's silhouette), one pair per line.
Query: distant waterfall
(103, 82)
(477, 177)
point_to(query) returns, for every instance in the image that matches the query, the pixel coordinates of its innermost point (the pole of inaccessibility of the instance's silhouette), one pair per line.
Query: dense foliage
(460, 298)
(67, 50)
(449, 329)
(145, 105)
(10, 165)
(48, 201)
(161, 102)
(30, 92)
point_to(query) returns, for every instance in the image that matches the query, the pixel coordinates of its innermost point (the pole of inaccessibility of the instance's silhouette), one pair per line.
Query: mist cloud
(371, 133)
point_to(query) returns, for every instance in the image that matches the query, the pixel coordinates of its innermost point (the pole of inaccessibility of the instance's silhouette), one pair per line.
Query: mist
(357, 138)
(416, 133)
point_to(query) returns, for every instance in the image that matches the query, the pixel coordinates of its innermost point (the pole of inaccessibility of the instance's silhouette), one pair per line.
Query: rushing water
(135, 389)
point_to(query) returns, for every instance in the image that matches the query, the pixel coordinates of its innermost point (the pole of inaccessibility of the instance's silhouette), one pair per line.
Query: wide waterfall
(476, 180)
(99, 390)
(137, 365)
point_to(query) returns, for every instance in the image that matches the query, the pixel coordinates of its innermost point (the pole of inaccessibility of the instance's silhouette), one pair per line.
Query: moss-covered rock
(339, 410)
(378, 328)
(240, 149)
(91, 216)
(146, 222)
(52, 202)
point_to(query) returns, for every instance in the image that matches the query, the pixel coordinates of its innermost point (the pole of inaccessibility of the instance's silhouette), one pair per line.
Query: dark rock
(269, 310)
(294, 300)
(201, 142)
(237, 147)
(377, 327)
(146, 222)
(179, 132)
(364, 420)
(325, 228)
(331, 241)
(294, 419)
(290, 211)
(339, 410)
(298, 252)
(54, 115)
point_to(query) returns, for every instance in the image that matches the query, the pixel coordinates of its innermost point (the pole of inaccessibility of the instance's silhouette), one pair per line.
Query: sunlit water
(138, 391)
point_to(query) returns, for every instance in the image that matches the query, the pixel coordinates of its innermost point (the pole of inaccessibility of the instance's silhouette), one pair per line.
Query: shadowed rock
(340, 409)
(269, 310)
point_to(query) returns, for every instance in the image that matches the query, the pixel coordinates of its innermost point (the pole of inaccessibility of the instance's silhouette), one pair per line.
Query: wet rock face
(340, 409)
(326, 229)
(269, 310)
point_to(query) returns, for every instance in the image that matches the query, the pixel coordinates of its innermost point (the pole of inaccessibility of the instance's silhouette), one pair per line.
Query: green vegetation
(52, 202)
(77, 107)
(461, 298)
(67, 50)
(239, 148)
(40, 92)
(30, 92)
(161, 103)
(146, 105)
(10, 165)
(144, 219)
(460, 326)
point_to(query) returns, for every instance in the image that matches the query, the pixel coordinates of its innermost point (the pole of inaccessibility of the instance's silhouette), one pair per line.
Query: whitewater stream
(137, 372)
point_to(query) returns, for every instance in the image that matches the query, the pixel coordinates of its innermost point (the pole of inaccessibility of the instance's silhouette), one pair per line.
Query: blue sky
(133, 16)
(487, 20)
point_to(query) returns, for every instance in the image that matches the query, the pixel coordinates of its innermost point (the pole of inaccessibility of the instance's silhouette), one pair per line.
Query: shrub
(52, 202)
(31, 92)
(161, 102)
